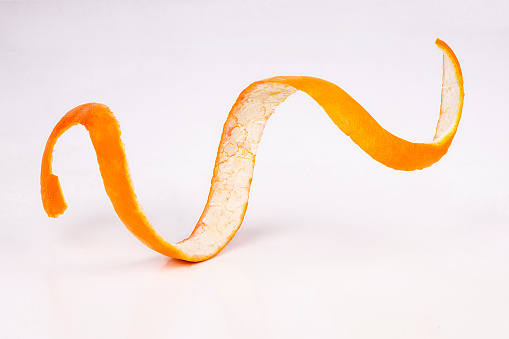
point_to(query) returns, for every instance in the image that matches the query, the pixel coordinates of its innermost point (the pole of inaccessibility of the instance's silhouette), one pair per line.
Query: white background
(333, 244)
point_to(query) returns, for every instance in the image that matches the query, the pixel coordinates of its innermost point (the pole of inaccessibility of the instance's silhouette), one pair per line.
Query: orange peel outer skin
(344, 111)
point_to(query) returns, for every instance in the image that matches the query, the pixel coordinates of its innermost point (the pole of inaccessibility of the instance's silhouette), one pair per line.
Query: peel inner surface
(233, 170)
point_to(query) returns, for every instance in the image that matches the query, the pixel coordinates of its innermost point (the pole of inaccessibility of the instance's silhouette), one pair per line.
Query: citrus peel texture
(233, 170)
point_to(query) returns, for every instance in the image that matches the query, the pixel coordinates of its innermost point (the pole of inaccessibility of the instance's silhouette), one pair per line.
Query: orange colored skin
(344, 111)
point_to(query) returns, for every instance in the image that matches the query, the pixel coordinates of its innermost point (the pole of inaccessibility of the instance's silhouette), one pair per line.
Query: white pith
(235, 162)
(450, 100)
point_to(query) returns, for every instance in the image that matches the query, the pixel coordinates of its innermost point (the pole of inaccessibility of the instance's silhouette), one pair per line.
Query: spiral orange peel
(233, 170)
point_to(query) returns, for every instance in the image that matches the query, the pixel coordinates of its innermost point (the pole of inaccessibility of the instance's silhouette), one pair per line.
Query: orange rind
(233, 170)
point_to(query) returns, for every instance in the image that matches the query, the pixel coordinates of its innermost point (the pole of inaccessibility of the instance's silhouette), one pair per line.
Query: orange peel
(233, 170)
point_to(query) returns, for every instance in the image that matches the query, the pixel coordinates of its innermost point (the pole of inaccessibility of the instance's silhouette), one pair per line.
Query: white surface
(333, 243)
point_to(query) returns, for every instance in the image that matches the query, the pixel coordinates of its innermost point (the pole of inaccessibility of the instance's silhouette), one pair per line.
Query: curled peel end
(450, 53)
(452, 97)
(52, 197)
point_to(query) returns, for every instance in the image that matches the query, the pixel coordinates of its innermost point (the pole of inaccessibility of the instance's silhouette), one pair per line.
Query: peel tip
(53, 199)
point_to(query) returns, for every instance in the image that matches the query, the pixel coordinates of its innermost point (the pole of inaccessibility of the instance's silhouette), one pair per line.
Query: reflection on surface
(219, 295)
(147, 300)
